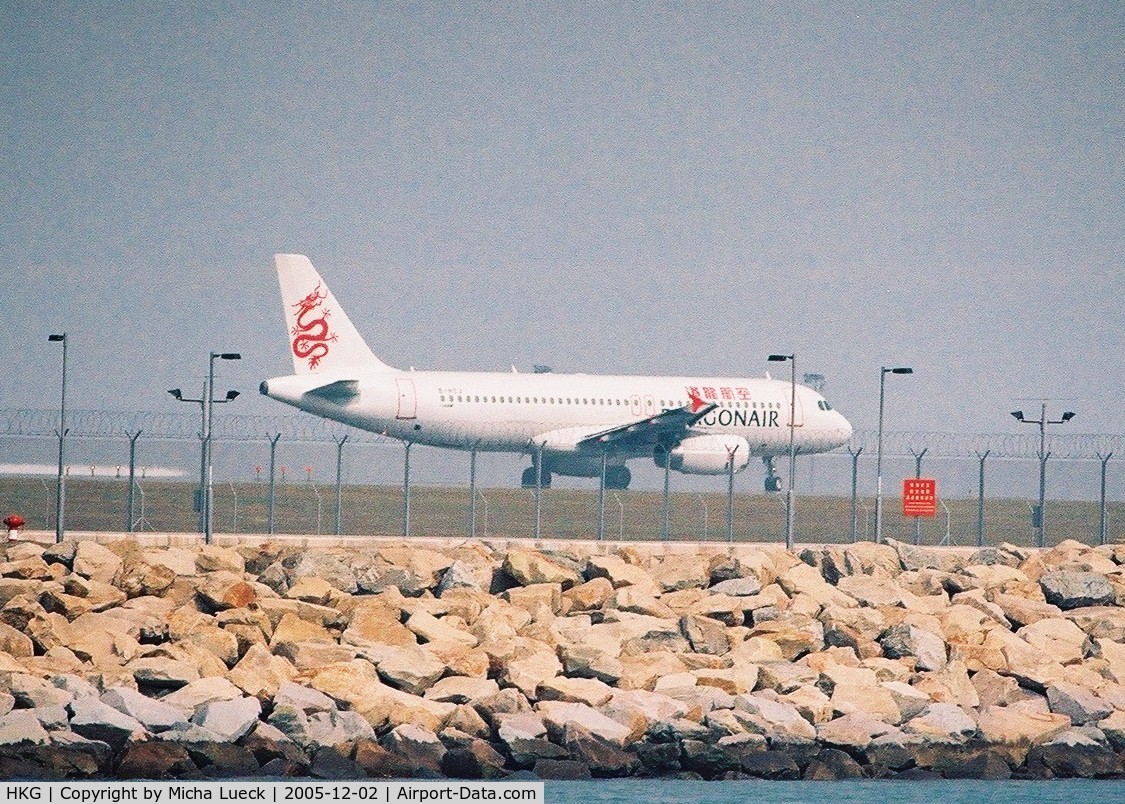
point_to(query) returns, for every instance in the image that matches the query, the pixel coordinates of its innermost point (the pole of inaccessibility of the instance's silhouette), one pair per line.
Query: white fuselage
(513, 412)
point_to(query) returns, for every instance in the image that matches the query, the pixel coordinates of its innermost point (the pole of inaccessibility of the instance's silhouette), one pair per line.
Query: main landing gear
(527, 479)
(773, 479)
(617, 477)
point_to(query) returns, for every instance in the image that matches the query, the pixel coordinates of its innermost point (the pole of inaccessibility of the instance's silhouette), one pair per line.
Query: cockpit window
(823, 405)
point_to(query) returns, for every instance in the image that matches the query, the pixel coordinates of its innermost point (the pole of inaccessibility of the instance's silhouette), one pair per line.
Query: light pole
(205, 404)
(60, 486)
(792, 358)
(1040, 521)
(883, 372)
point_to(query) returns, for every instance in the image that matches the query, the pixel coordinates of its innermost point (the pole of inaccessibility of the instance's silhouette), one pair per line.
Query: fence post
(273, 483)
(855, 510)
(339, 480)
(132, 476)
(1103, 536)
(918, 473)
(980, 498)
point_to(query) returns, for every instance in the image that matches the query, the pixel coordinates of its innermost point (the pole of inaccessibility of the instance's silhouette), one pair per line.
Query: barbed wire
(105, 424)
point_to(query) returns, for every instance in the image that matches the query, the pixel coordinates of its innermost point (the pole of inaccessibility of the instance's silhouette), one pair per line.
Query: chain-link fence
(306, 453)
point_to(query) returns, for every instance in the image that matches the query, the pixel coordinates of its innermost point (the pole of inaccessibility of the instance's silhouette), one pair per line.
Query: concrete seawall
(160, 657)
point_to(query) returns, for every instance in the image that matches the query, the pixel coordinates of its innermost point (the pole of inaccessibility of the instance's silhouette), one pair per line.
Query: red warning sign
(919, 496)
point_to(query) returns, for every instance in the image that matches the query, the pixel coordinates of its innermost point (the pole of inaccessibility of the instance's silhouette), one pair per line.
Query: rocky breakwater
(475, 660)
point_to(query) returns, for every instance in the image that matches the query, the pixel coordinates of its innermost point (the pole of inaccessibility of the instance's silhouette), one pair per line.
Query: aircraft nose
(844, 429)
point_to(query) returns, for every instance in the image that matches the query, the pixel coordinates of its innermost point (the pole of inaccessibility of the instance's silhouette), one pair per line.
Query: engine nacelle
(708, 455)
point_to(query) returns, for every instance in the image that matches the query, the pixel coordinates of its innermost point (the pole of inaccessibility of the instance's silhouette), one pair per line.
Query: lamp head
(56, 338)
(778, 358)
(1070, 414)
(1018, 414)
(231, 395)
(229, 356)
(175, 392)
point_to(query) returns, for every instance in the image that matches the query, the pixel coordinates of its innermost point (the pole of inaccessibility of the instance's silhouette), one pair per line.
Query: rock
(531, 567)
(832, 764)
(705, 634)
(197, 693)
(620, 573)
(431, 629)
(556, 715)
(1078, 703)
(417, 747)
(1017, 729)
(411, 668)
(474, 759)
(803, 579)
(737, 587)
(680, 571)
(162, 672)
(1074, 754)
(1100, 622)
(21, 728)
(230, 719)
(155, 715)
(460, 689)
(561, 770)
(99, 721)
(794, 634)
(155, 760)
(1071, 590)
(945, 721)
(1060, 639)
(603, 757)
(926, 647)
(770, 765)
(587, 661)
(587, 691)
(457, 576)
(853, 732)
(92, 560)
(213, 558)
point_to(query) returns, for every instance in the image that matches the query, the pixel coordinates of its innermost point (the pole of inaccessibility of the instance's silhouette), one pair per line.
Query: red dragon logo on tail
(312, 334)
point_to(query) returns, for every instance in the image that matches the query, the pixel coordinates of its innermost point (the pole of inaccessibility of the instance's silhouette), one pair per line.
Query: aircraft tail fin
(321, 337)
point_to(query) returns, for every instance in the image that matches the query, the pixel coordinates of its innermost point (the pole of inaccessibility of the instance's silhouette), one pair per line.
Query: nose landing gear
(773, 479)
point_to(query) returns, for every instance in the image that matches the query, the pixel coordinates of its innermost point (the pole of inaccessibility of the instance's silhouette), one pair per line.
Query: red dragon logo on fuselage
(312, 333)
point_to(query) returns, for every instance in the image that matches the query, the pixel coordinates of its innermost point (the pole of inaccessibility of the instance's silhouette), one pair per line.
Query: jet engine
(707, 455)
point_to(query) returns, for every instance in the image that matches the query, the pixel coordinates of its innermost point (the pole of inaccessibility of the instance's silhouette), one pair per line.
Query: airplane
(577, 425)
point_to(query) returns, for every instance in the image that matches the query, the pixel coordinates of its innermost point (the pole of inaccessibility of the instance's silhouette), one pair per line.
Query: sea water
(653, 791)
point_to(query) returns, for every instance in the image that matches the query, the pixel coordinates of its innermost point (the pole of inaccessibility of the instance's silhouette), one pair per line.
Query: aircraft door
(407, 400)
(798, 411)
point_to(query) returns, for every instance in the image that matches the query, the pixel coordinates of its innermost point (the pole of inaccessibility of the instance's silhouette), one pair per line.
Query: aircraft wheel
(527, 479)
(617, 477)
(773, 484)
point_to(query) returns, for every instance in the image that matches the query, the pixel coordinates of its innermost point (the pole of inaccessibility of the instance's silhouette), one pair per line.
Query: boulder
(99, 721)
(417, 748)
(155, 715)
(944, 721)
(1081, 705)
(1069, 589)
(532, 567)
(927, 648)
(231, 719)
(20, 729)
(557, 715)
(93, 561)
(1060, 639)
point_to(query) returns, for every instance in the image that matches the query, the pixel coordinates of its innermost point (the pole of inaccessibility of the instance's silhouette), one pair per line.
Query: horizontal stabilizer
(339, 391)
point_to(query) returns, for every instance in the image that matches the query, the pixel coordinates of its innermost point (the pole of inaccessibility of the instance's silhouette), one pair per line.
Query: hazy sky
(638, 188)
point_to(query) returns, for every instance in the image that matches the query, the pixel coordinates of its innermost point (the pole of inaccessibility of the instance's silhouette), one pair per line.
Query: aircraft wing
(665, 426)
